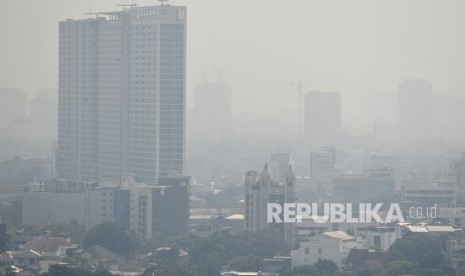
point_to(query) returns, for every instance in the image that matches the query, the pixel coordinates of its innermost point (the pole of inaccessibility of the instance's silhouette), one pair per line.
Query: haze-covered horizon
(362, 49)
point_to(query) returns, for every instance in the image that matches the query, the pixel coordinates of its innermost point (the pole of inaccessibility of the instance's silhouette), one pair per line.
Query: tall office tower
(44, 114)
(122, 95)
(260, 190)
(212, 110)
(322, 119)
(12, 106)
(415, 110)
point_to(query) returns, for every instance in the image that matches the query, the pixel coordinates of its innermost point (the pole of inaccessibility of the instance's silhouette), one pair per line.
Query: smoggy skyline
(362, 49)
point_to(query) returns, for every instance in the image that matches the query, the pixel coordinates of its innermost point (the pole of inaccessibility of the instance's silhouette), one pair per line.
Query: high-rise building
(260, 190)
(415, 110)
(122, 95)
(322, 119)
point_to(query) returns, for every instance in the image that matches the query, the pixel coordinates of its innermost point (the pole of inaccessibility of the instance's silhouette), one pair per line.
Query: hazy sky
(361, 48)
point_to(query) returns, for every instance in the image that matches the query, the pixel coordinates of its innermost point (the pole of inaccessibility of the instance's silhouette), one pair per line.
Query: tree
(422, 250)
(68, 270)
(306, 270)
(398, 267)
(110, 236)
(326, 266)
(250, 263)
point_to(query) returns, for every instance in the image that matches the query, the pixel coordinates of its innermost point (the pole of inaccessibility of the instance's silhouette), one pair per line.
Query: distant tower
(260, 190)
(415, 109)
(322, 119)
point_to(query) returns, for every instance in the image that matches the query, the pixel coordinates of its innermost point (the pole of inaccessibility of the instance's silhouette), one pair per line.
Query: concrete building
(42, 207)
(260, 190)
(385, 162)
(322, 171)
(334, 246)
(108, 204)
(122, 95)
(322, 118)
(372, 184)
(440, 190)
(415, 109)
(16, 174)
(151, 211)
(161, 211)
(380, 237)
(375, 235)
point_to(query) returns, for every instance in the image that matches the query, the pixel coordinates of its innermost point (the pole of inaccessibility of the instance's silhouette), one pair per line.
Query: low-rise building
(439, 190)
(334, 246)
(42, 248)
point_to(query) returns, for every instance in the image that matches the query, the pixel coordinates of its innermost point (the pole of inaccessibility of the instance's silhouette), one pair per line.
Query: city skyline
(383, 50)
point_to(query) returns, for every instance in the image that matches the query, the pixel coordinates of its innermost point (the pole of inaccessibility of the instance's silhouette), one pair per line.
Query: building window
(320, 251)
(307, 251)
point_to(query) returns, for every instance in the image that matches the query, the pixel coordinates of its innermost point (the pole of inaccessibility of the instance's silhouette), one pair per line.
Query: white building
(334, 246)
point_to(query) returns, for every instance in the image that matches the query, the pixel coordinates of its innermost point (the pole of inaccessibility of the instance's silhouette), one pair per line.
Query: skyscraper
(322, 119)
(415, 113)
(122, 95)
